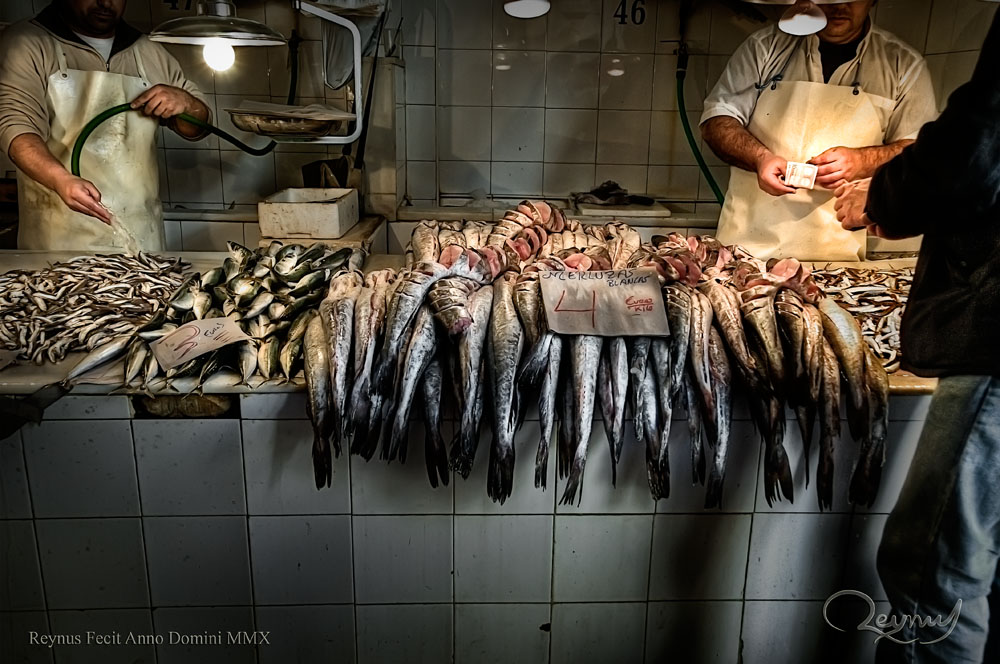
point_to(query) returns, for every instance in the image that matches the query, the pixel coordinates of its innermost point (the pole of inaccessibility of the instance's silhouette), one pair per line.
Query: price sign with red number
(616, 303)
(196, 338)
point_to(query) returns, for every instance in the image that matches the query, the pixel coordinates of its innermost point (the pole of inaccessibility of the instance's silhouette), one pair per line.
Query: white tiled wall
(215, 524)
(531, 107)
(580, 98)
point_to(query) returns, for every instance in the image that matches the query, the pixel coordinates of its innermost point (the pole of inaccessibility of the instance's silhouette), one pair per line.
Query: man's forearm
(733, 143)
(32, 156)
(188, 130)
(876, 156)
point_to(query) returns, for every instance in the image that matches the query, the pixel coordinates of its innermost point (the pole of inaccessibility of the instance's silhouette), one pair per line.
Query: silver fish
(471, 347)
(435, 454)
(585, 353)
(547, 410)
(506, 343)
(317, 370)
(722, 398)
(419, 353)
(101, 355)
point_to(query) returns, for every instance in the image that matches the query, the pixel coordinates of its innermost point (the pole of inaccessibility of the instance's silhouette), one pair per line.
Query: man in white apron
(76, 59)
(847, 100)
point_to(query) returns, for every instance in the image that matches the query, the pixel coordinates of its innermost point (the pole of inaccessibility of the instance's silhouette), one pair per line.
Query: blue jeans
(942, 541)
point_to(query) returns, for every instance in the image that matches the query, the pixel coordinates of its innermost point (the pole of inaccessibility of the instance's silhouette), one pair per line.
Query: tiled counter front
(120, 525)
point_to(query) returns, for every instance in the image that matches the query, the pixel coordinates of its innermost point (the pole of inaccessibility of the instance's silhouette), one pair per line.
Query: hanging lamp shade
(527, 8)
(804, 17)
(216, 22)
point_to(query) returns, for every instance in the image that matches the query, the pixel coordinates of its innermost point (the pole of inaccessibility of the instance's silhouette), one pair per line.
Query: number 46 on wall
(638, 13)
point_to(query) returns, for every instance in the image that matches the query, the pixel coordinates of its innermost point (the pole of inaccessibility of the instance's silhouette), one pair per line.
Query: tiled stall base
(193, 525)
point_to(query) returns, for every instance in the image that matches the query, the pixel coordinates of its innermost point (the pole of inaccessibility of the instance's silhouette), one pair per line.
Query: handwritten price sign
(619, 303)
(196, 338)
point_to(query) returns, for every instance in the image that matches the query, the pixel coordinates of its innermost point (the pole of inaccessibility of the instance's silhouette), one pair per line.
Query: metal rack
(315, 10)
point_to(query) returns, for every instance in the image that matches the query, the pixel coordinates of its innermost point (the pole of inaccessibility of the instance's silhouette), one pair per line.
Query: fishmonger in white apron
(119, 158)
(799, 120)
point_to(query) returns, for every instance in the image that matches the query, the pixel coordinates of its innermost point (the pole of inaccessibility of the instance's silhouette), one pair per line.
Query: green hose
(111, 112)
(682, 59)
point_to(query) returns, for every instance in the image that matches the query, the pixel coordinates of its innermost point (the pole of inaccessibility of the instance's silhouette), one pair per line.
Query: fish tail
(824, 477)
(435, 456)
(500, 478)
(805, 416)
(777, 473)
(713, 490)
(322, 463)
(542, 463)
(867, 473)
(536, 362)
(573, 493)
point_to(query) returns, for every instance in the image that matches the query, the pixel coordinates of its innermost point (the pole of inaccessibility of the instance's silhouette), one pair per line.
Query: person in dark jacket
(940, 547)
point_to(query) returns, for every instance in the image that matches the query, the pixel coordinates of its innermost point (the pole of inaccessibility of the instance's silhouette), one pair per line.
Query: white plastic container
(308, 213)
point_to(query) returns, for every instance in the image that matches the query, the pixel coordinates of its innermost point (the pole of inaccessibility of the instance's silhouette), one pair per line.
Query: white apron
(119, 158)
(799, 120)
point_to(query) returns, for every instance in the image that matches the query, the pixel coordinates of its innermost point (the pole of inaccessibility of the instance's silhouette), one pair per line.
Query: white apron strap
(61, 61)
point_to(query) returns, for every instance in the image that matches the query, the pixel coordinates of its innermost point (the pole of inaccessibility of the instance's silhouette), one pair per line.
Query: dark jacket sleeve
(952, 172)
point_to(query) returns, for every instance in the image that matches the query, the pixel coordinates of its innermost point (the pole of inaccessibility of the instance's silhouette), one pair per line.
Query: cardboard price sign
(616, 303)
(196, 338)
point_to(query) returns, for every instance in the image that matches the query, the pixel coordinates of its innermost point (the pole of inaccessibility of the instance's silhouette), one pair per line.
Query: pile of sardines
(877, 299)
(462, 328)
(82, 303)
(271, 293)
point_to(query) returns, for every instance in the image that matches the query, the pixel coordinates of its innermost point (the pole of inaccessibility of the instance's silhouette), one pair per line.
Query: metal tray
(269, 125)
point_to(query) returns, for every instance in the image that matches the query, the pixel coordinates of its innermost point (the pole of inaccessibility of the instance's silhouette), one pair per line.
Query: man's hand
(840, 165)
(852, 199)
(770, 173)
(82, 196)
(164, 102)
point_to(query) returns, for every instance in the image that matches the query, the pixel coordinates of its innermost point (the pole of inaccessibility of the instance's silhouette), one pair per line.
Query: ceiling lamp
(803, 17)
(526, 8)
(216, 24)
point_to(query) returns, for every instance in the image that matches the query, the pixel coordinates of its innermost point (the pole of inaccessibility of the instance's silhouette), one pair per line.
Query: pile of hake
(462, 326)
(461, 330)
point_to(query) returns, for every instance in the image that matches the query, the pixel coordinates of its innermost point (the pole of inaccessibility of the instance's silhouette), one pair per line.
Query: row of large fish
(462, 327)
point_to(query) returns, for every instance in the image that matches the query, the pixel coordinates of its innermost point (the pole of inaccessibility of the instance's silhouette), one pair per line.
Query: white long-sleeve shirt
(893, 73)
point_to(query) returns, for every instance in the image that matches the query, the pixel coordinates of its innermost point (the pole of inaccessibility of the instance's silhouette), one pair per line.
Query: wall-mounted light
(217, 28)
(526, 8)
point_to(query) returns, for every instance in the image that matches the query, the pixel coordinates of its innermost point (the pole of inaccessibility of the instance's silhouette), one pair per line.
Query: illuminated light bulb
(219, 55)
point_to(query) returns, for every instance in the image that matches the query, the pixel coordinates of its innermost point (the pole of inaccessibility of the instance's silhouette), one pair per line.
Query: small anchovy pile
(877, 299)
(82, 303)
(463, 326)
(271, 293)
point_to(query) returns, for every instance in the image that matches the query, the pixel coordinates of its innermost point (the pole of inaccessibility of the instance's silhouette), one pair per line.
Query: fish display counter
(559, 483)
